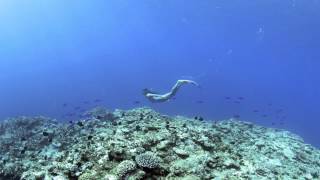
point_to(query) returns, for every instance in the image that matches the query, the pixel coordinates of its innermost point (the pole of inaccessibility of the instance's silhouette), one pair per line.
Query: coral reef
(148, 160)
(143, 144)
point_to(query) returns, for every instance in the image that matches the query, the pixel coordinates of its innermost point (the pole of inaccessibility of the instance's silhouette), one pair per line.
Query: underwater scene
(160, 89)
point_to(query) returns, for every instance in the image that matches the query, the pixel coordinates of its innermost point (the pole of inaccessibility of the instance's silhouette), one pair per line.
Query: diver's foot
(185, 81)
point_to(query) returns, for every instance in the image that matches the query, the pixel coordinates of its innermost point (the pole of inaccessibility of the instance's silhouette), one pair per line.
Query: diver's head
(145, 91)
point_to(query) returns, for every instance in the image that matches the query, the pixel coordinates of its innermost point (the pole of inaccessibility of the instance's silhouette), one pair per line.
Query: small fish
(90, 137)
(227, 98)
(70, 114)
(278, 111)
(45, 133)
(79, 123)
(269, 104)
(255, 110)
(198, 118)
(141, 116)
(64, 104)
(22, 151)
(264, 115)
(236, 102)
(136, 102)
(236, 116)
(200, 102)
(77, 108)
(97, 100)
(86, 102)
(241, 98)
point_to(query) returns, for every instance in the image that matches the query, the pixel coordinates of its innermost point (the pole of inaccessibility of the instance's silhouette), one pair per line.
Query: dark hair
(145, 91)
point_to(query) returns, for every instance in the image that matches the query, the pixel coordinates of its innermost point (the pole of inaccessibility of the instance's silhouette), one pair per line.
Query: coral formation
(148, 160)
(143, 144)
(125, 167)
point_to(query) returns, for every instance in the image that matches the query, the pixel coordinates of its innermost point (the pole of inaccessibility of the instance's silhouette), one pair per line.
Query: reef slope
(143, 144)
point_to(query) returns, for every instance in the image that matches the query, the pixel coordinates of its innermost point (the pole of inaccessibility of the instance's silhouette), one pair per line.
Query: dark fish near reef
(79, 123)
(198, 118)
(22, 151)
(44, 133)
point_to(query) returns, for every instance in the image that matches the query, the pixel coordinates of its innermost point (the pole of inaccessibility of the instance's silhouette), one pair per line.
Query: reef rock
(143, 144)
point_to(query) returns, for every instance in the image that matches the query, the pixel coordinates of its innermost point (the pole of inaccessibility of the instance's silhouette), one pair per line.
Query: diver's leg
(175, 88)
(185, 81)
(178, 84)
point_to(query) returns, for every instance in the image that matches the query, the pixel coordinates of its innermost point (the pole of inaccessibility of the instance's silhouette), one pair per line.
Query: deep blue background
(268, 52)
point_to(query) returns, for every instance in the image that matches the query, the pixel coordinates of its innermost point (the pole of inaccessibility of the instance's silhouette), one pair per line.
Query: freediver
(155, 97)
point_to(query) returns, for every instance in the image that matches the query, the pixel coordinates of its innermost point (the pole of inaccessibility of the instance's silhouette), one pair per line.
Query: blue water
(263, 55)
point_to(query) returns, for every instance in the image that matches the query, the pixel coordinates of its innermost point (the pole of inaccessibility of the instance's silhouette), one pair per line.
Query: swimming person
(155, 97)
